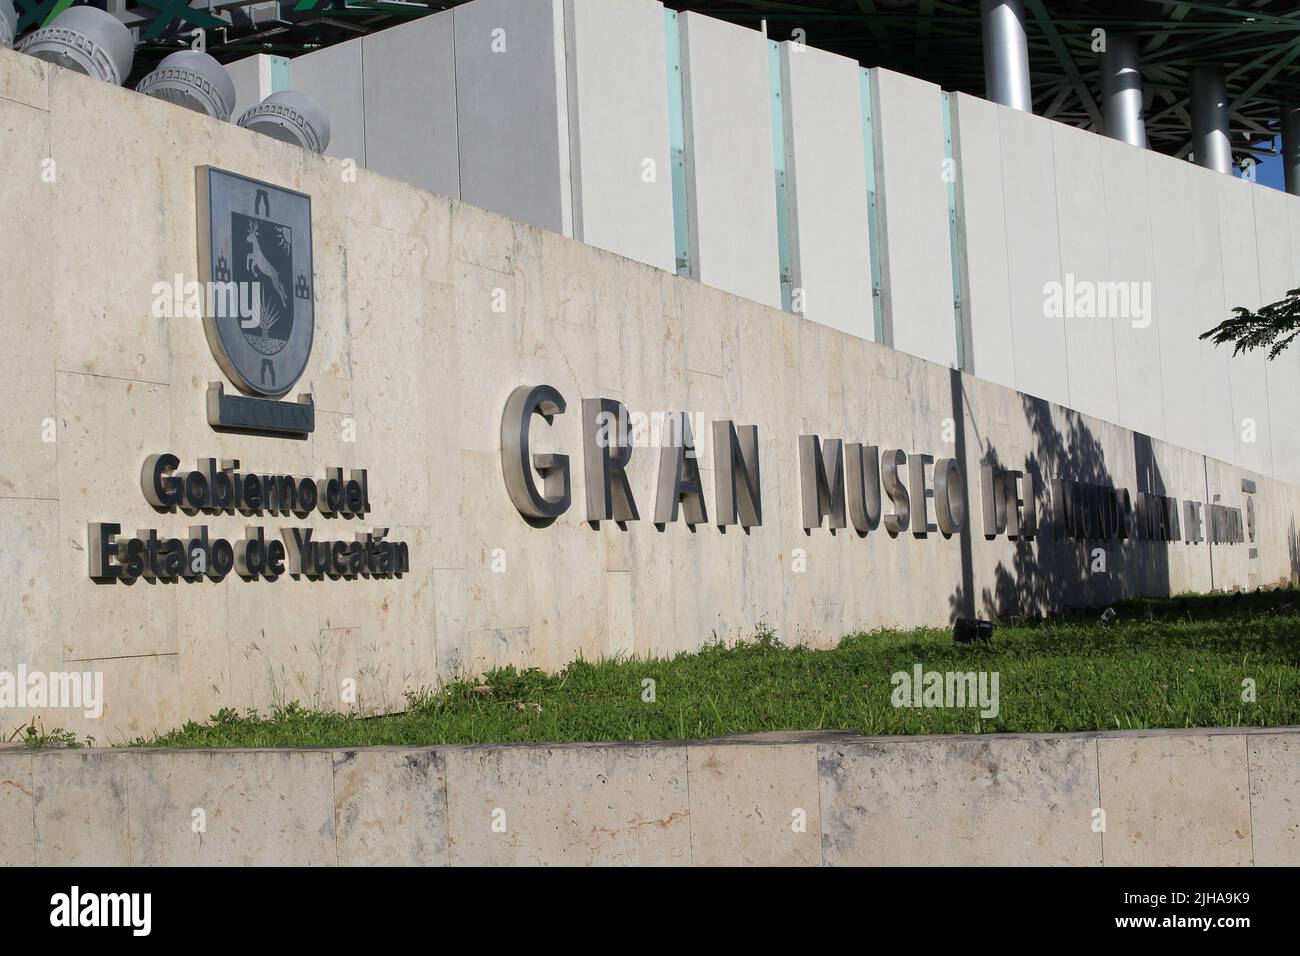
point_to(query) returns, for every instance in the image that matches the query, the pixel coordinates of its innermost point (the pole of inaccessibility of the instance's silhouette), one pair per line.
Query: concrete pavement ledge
(1156, 797)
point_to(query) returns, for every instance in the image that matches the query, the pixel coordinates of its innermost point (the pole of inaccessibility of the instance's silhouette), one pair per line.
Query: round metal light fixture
(193, 80)
(291, 117)
(8, 24)
(967, 630)
(88, 40)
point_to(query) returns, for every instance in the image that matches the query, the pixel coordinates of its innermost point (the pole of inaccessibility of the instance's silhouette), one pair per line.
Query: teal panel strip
(279, 73)
(954, 239)
(677, 143)
(778, 155)
(873, 227)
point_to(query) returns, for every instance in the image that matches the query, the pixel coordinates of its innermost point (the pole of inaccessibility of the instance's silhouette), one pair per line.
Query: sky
(1269, 170)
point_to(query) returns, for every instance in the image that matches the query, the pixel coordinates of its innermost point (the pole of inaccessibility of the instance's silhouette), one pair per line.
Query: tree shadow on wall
(1293, 551)
(1049, 574)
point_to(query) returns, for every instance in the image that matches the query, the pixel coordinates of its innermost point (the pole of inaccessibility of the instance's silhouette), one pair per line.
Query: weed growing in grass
(32, 734)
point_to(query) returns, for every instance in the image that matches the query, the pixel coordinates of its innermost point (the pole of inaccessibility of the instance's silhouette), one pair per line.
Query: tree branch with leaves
(1273, 327)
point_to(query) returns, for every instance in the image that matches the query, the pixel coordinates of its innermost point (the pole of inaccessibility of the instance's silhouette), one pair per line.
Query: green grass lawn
(1170, 663)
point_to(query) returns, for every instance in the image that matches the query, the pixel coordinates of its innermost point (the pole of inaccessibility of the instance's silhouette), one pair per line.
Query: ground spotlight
(8, 23)
(291, 117)
(88, 40)
(966, 630)
(194, 80)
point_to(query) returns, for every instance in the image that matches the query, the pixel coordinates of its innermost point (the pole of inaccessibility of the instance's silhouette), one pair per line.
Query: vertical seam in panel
(569, 71)
(1285, 199)
(963, 244)
(1105, 224)
(786, 148)
(694, 264)
(280, 80)
(1060, 263)
(565, 133)
(1211, 349)
(1259, 282)
(455, 102)
(1160, 359)
(361, 82)
(1006, 249)
(265, 71)
(677, 144)
(954, 240)
(783, 246)
(873, 227)
(1237, 451)
(882, 218)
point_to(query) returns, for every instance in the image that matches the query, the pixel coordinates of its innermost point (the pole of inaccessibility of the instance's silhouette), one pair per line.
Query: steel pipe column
(1210, 132)
(1006, 53)
(1121, 88)
(1291, 147)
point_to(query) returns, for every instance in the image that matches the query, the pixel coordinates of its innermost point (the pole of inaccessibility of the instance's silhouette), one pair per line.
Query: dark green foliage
(1272, 327)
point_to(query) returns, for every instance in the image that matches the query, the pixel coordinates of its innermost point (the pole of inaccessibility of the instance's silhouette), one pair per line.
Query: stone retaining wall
(1203, 797)
(412, 364)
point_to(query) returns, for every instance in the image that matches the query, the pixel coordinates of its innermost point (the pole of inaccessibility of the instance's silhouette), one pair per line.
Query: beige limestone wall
(1137, 798)
(411, 358)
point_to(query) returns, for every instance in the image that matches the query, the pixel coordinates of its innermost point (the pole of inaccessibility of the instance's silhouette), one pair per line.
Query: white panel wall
(1177, 295)
(1284, 400)
(618, 120)
(1247, 375)
(1129, 244)
(982, 219)
(1081, 223)
(1287, 366)
(1292, 204)
(409, 77)
(513, 111)
(481, 102)
(912, 204)
(556, 128)
(731, 172)
(333, 76)
(1278, 274)
(826, 182)
(253, 82)
(1211, 400)
(1033, 254)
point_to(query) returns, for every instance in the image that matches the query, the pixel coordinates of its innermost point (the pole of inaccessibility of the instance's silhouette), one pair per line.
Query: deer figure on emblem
(257, 260)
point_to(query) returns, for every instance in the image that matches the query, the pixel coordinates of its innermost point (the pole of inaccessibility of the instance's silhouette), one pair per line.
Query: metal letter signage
(517, 462)
(255, 252)
(607, 449)
(217, 486)
(841, 484)
(736, 474)
(821, 485)
(679, 478)
(255, 258)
